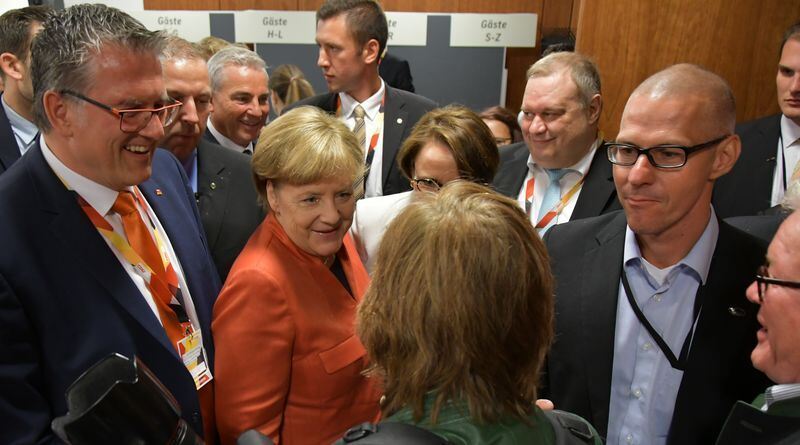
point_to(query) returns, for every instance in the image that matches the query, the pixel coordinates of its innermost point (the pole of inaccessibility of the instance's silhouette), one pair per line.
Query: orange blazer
(288, 362)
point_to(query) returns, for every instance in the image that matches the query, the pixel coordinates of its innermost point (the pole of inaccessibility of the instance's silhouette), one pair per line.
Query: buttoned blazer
(598, 195)
(66, 303)
(402, 111)
(227, 200)
(288, 361)
(9, 150)
(747, 188)
(586, 258)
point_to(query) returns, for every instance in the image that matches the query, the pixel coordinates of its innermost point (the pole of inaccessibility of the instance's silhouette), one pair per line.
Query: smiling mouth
(138, 149)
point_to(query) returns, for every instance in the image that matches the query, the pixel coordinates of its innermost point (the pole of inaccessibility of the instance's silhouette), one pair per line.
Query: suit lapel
(9, 150)
(597, 190)
(509, 180)
(765, 158)
(78, 240)
(394, 124)
(598, 303)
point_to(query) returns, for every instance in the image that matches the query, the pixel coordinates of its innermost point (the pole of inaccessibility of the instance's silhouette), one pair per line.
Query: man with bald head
(653, 328)
(220, 178)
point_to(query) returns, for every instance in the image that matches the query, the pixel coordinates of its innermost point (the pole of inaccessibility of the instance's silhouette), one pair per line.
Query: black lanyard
(678, 363)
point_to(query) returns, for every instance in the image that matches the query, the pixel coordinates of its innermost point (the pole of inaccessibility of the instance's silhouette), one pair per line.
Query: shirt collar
(778, 393)
(699, 257)
(26, 129)
(371, 106)
(582, 166)
(227, 142)
(790, 132)
(100, 197)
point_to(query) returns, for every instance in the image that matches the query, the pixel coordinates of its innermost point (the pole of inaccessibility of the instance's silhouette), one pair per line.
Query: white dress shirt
(102, 198)
(788, 154)
(542, 181)
(374, 183)
(227, 142)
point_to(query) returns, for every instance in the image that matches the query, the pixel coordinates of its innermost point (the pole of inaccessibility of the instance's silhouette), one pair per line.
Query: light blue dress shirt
(190, 166)
(24, 130)
(644, 386)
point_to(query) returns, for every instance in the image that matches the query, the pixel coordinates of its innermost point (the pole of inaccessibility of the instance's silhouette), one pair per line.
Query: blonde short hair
(461, 303)
(306, 145)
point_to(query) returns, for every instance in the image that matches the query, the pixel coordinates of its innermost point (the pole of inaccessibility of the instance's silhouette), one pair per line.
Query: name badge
(194, 358)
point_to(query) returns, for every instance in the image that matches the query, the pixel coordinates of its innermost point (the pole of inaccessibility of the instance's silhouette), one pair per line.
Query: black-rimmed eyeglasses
(662, 156)
(763, 280)
(133, 120)
(425, 184)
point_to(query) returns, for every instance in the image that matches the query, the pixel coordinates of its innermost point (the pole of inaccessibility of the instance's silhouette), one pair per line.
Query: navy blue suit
(65, 301)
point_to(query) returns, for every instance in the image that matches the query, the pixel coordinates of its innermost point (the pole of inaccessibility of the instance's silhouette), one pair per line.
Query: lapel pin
(736, 311)
(399, 120)
(159, 192)
(213, 186)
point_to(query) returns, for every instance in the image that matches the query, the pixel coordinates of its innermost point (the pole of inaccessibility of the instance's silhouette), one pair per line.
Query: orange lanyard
(556, 209)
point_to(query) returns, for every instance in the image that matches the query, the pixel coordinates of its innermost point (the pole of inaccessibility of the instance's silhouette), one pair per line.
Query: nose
(752, 293)
(795, 84)
(641, 172)
(330, 212)
(154, 129)
(322, 59)
(189, 111)
(255, 108)
(537, 125)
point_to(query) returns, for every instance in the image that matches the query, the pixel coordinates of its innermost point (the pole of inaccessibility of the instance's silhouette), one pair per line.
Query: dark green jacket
(747, 424)
(455, 425)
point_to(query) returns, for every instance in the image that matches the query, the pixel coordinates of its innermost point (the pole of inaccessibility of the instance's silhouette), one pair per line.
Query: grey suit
(227, 200)
(586, 258)
(598, 195)
(403, 110)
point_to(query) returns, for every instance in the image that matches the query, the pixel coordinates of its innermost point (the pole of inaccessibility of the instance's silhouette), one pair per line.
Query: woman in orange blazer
(288, 362)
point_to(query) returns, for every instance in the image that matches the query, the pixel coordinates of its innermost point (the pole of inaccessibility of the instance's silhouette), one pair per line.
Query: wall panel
(631, 39)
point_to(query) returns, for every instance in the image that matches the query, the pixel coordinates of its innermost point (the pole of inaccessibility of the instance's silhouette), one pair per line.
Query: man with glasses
(102, 246)
(653, 328)
(220, 178)
(559, 174)
(17, 130)
(775, 414)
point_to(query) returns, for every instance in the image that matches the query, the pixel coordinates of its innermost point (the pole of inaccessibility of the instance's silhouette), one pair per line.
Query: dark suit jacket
(403, 110)
(9, 150)
(65, 302)
(747, 424)
(227, 200)
(210, 137)
(598, 195)
(396, 73)
(586, 257)
(747, 188)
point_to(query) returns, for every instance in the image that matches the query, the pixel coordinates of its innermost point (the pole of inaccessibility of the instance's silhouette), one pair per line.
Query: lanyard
(169, 278)
(557, 208)
(678, 363)
(373, 140)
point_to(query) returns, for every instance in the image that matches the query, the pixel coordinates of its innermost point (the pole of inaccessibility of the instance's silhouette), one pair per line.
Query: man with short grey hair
(102, 246)
(559, 173)
(240, 94)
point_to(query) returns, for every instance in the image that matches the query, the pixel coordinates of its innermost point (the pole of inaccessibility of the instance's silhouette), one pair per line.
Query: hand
(545, 404)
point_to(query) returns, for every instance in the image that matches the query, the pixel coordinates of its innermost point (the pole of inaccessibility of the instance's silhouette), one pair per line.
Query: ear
(370, 52)
(726, 154)
(272, 197)
(594, 108)
(11, 66)
(59, 113)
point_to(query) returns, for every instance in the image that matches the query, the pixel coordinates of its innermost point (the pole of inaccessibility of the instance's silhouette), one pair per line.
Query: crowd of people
(370, 264)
